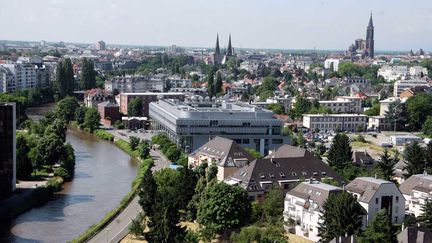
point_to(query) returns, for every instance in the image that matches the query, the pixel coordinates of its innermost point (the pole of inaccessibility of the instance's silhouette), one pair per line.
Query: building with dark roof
(417, 189)
(109, 113)
(376, 194)
(7, 149)
(286, 167)
(415, 234)
(304, 204)
(228, 155)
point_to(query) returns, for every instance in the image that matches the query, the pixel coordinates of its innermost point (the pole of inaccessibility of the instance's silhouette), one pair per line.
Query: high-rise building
(100, 45)
(7, 149)
(370, 39)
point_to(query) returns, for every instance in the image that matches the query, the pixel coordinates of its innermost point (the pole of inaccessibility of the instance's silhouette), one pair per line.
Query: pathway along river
(103, 175)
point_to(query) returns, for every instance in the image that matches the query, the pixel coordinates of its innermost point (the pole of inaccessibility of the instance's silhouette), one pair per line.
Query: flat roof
(154, 93)
(336, 115)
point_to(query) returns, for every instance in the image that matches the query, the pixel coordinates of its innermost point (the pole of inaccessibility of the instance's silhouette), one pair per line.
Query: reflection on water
(103, 175)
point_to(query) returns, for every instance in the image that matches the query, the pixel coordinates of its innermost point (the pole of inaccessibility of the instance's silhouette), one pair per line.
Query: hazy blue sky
(289, 24)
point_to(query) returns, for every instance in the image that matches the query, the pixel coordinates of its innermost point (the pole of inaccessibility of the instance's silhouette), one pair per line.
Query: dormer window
(294, 174)
(272, 175)
(262, 175)
(282, 174)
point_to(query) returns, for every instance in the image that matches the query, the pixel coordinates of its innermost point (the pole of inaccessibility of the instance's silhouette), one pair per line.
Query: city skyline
(324, 25)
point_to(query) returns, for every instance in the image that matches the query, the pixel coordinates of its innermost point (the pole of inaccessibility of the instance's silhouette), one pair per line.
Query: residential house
(415, 234)
(95, 96)
(416, 190)
(228, 155)
(376, 194)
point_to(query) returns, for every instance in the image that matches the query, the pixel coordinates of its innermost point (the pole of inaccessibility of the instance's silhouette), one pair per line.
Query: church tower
(229, 51)
(217, 57)
(370, 39)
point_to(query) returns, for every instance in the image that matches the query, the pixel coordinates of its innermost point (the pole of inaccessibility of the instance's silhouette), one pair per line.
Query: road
(118, 228)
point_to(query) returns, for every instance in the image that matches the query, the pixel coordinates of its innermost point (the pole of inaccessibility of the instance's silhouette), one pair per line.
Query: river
(103, 175)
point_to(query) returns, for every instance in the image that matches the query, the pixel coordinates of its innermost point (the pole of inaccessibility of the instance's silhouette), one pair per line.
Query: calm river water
(103, 175)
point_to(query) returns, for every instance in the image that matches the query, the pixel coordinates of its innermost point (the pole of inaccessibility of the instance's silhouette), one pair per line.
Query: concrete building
(24, 76)
(135, 84)
(356, 102)
(7, 80)
(378, 123)
(399, 140)
(384, 105)
(7, 148)
(344, 122)
(192, 125)
(100, 45)
(401, 85)
(391, 73)
(285, 167)
(304, 205)
(178, 82)
(418, 71)
(146, 98)
(109, 113)
(337, 106)
(416, 190)
(228, 155)
(328, 63)
(376, 194)
(93, 97)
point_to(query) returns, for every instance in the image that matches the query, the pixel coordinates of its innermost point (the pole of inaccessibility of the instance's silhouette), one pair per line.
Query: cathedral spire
(370, 21)
(217, 49)
(229, 50)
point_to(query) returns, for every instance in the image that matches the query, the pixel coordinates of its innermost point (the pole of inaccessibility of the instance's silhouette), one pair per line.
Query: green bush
(102, 134)
(61, 172)
(54, 184)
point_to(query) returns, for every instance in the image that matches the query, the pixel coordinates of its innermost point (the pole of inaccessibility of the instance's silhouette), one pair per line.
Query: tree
(301, 141)
(67, 160)
(173, 153)
(134, 142)
(66, 108)
(425, 218)
(224, 207)
(415, 158)
(342, 215)
(218, 84)
(273, 205)
(60, 80)
(269, 234)
(69, 80)
(137, 225)
(91, 119)
(147, 192)
(418, 108)
(301, 107)
(210, 84)
(380, 230)
(340, 153)
(23, 163)
(396, 114)
(276, 108)
(143, 149)
(212, 172)
(88, 75)
(253, 152)
(80, 114)
(386, 165)
(135, 107)
(58, 127)
(427, 126)
(50, 148)
(374, 110)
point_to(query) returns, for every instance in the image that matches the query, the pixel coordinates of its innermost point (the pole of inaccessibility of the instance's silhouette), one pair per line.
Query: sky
(285, 24)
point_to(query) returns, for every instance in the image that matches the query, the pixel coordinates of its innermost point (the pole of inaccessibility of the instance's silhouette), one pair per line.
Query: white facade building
(416, 190)
(304, 205)
(335, 62)
(178, 82)
(24, 76)
(376, 194)
(344, 122)
(401, 85)
(391, 73)
(418, 71)
(135, 84)
(7, 80)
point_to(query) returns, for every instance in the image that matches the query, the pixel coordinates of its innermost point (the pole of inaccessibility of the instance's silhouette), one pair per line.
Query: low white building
(379, 123)
(417, 189)
(304, 204)
(391, 73)
(343, 104)
(179, 82)
(418, 71)
(401, 85)
(135, 84)
(328, 63)
(376, 194)
(344, 122)
(404, 139)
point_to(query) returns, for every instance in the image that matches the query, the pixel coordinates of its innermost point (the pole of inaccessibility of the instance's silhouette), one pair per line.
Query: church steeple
(370, 21)
(229, 50)
(217, 49)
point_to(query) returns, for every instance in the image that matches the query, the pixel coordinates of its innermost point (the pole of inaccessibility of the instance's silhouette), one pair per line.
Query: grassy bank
(144, 165)
(104, 135)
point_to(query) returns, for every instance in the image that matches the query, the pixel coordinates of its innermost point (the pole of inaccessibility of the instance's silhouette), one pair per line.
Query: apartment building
(192, 125)
(416, 190)
(135, 84)
(24, 75)
(344, 122)
(401, 85)
(391, 73)
(304, 204)
(376, 194)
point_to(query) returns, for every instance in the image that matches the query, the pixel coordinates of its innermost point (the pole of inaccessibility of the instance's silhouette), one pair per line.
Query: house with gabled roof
(417, 189)
(286, 167)
(228, 155)
(375, 194)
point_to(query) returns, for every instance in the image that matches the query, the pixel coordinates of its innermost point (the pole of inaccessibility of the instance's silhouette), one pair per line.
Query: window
(397, 199)
(282, 174)
(304, 173)
(272, 175)
(376, 200)
(294, 174)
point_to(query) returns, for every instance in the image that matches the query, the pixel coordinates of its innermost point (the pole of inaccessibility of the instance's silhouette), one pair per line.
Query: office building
(100, 45)
(135, 84)
(7, 149)
(401, 85)
(344, 122)
(192, 125)
(146, 98)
